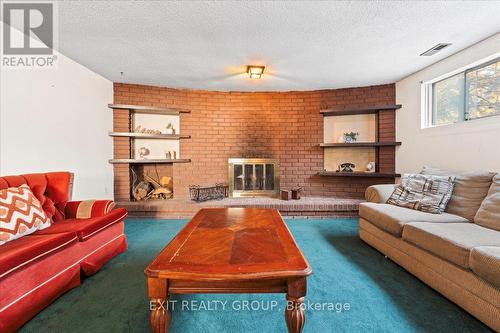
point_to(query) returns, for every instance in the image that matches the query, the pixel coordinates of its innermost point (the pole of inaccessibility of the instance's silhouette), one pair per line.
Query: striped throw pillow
(426, 193)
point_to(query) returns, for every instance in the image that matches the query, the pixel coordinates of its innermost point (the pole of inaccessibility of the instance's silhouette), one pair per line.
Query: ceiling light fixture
(255, 72)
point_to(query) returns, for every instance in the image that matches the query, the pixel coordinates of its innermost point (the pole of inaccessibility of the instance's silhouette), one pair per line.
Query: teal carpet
(380, 296)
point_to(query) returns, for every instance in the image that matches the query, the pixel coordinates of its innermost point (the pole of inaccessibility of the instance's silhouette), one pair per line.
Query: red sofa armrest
(88, 208)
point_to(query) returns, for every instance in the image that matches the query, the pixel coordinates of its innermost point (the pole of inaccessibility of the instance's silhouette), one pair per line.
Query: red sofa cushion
(85, 228)
(20, 252)
(88, 208)
(52, 189)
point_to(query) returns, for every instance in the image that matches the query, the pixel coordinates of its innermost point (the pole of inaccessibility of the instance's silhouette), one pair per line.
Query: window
(483, 91)
(448, 100)
(470, 94)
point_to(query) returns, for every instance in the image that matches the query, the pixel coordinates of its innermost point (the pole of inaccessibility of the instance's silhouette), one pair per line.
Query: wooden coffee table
(230, 250)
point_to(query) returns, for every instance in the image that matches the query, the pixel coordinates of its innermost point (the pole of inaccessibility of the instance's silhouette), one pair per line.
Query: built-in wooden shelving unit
(360, 144)
(384, 122)
(137, 154)
(354, 111)
(146, 161)
(137, 135)
(150, 136)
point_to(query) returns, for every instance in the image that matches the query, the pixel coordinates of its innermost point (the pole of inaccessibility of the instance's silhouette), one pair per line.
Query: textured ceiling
(304, 45)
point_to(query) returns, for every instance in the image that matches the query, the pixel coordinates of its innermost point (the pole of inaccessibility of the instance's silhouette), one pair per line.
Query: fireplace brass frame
(254, 193)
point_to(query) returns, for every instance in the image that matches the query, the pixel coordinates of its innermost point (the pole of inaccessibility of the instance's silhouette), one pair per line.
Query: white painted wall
(471, 145)
(57, 119)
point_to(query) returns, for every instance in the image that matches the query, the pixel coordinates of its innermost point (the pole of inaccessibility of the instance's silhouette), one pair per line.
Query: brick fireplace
(254, 177)
(286, 126)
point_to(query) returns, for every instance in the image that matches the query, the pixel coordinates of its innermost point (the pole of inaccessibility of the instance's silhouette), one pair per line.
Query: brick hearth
(283, 125)
(185, 208)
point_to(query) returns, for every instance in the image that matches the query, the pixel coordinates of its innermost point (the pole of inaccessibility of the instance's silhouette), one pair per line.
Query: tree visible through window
(483, 91)
(448, 100)
(471, 94)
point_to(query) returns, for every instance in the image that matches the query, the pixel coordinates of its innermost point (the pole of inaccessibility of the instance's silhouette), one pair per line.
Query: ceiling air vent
(435, 49)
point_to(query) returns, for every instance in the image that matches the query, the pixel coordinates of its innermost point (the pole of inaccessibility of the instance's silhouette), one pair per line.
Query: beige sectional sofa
(457, 253)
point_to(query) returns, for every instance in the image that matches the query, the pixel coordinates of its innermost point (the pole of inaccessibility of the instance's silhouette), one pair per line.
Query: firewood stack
(152, 189)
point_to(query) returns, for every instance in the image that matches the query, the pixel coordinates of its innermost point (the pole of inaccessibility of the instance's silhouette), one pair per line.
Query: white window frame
(427, 93)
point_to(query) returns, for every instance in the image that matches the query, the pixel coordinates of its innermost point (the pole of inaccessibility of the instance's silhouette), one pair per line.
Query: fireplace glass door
(253, 177)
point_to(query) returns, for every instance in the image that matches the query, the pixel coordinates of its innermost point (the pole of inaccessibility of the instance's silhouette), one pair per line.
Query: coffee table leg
(294, 313)
(160, 312)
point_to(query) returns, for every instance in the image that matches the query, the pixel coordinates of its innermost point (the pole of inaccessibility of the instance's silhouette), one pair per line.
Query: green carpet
(382, 296)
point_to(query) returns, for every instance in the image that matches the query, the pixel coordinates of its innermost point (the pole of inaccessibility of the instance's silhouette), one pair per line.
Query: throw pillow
(423, 192)
(488, 214)
(469, 191)
(21, 213)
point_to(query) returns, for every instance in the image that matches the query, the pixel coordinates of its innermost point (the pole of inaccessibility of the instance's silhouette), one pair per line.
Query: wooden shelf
(359, 174)
(361, 144)
(149, 136)
(144, 161)
(364, 110)
(148, 109)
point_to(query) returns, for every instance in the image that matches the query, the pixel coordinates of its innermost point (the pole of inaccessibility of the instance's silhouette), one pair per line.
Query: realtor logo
(28, 34)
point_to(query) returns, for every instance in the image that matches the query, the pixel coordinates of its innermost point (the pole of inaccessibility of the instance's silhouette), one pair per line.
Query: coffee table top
(231, 244)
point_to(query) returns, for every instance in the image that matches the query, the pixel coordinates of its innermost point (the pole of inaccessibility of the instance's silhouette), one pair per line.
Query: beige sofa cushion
(450, 241)
(469, 192)
(392, 218)
(488, 214)
(485, 262)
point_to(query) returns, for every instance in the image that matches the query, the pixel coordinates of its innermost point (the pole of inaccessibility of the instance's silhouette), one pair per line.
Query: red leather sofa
(38, 268)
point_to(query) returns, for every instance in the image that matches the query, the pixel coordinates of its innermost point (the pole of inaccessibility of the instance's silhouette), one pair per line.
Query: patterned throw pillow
(21, 213)
(426, 193)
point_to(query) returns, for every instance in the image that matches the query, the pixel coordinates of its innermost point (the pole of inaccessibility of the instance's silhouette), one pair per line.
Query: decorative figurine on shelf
(143, 152)
(346, 167)
(170, 129)
(140, 129)
(171, 155)
(350, 137)
(370, 167)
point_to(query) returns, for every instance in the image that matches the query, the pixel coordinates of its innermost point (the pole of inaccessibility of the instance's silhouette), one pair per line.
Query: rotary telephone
(346, 167)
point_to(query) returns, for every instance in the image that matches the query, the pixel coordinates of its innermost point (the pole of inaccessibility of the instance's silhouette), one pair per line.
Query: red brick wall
(283, 125)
